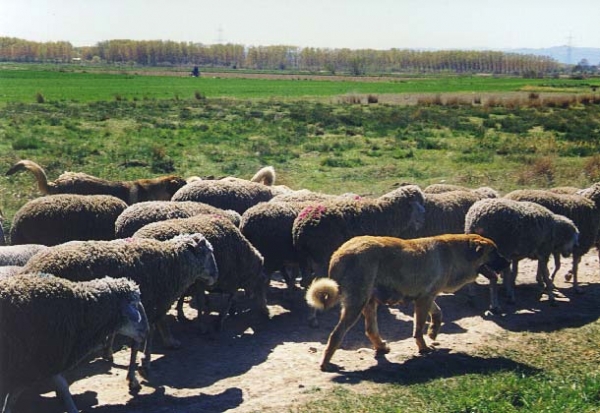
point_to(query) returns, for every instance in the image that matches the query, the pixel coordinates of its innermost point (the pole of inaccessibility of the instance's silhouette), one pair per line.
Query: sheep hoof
(426, 350)
(182, 318)
(134, 386)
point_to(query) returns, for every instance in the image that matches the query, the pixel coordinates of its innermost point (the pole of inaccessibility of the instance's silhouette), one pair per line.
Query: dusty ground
(274, 365)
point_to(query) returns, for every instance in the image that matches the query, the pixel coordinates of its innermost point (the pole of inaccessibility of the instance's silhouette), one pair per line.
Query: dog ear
(476, 250)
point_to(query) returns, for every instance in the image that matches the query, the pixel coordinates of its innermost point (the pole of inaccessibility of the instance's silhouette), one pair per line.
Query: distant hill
(561, 54)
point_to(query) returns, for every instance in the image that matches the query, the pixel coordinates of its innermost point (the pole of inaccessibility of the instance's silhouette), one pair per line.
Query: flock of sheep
(94, 258)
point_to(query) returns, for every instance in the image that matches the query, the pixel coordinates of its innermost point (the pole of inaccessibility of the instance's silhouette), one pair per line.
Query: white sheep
(163, 271)
(50, 324)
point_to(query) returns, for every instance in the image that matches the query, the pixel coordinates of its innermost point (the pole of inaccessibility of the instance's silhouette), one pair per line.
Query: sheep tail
(265, 176)
(323, 294)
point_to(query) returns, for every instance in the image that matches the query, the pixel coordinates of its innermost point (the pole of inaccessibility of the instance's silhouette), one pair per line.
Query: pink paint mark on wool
(312, 213)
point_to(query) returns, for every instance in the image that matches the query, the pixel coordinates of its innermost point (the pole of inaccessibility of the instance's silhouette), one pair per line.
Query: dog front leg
(435, 312)
(372, 328)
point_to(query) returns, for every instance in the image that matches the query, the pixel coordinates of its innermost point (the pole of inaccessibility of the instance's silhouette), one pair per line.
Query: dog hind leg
(348, 317)
(372, 328)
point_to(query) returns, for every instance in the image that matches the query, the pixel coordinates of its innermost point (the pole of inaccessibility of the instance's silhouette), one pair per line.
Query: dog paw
(330, 367)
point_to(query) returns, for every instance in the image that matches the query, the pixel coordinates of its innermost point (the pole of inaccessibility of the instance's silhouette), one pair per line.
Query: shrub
(39, 98)
(541, 171)
(591, 168)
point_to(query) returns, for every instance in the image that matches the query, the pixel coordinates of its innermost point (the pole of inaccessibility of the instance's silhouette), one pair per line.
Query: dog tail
(323, 294)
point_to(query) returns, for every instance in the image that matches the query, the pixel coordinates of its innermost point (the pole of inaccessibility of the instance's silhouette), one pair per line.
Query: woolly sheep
(50, 324)
(163, 271)
(238, 195)
(305, 195)
(444, 213)
(240, 264)
(161, 188)
(484, 191)
(522, 230)
(322, 227)
(268, 226)
(9, 270)
(18, 254)
(54, 219)
(584, 213)
(143, 213)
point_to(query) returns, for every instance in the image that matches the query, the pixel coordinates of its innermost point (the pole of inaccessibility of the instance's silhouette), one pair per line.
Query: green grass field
(98, 123)
(20, 85)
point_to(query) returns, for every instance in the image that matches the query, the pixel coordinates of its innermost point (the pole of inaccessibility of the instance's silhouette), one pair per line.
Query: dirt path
(274, 365)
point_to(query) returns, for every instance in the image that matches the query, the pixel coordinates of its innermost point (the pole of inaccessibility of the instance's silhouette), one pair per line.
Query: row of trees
(356, 62)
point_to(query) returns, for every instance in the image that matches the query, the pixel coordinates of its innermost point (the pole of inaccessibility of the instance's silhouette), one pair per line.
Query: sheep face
(566, 235)
(417, 216)
(135, 321)
(202, 250)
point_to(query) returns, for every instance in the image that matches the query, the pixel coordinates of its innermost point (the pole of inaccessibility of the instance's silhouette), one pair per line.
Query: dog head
(485, 252)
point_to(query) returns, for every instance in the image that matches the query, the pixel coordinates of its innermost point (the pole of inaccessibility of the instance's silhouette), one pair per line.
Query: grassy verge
(558, 372)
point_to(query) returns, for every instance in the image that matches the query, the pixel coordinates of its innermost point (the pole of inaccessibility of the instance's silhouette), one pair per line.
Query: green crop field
(127, 126)
(65, 84)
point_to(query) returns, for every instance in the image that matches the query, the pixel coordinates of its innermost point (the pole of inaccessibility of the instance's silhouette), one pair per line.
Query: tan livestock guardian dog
(367, 271)
(153, 189)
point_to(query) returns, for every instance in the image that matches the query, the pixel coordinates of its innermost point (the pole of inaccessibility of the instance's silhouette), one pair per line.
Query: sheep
(319, 229)
(444, 213)
(18, 254)
(54, 219)
(584, 213)
(9, 270)
(240, 264)
(268, 226)
(522, 229)
(484, 191)
(238, 195)
(305, 195)
(143, 213)
(161, 188)
(50, 324)
(163, 271)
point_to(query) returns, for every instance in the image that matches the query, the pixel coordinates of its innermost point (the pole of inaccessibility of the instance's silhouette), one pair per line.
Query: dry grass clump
(591, 168)
(540, 171)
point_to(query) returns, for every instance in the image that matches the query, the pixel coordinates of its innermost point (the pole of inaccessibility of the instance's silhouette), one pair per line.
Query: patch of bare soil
(273, 365)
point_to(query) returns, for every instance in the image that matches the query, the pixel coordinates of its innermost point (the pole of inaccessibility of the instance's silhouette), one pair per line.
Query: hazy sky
(355, 24)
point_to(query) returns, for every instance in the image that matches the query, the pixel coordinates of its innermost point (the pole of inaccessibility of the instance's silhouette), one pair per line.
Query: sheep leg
(511, 281)
(62, 391)
(290, 272)
(576, 261)
(320, 271)
(225, 311)
(134, 384)
(543, 269)
(493, 279)
(180, 314)
(11, 399)
(369, 312)
(165, 333)
(556, 268)
(148, 354)
(435, 312)
(107, 352)
(348, 317)
(422, 307)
